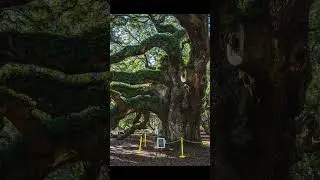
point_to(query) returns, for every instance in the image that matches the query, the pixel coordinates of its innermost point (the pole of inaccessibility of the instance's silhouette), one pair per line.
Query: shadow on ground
(125, 153)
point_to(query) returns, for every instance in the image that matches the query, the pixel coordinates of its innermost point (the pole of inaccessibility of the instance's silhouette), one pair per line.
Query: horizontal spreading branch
(55, 126)
(165, 41)
(138, 103)
(77, 54)
(61, 127)
(24, 70)
(139, 77)
(50, 86)
(128, 90)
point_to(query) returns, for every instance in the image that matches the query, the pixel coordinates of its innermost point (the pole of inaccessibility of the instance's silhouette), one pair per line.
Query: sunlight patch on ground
(154, 154)
(119, 150)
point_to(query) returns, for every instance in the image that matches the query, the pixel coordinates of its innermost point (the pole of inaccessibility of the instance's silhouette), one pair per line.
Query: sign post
(161, 143)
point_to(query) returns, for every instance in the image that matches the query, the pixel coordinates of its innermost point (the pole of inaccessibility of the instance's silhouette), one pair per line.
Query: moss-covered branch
(11, 98)
(136, 125)
(164, 41)
(25, 70)
(76, 54)
(61, 126)
(128, 90)
(48, 87)
(8, 95)
(38, 129)
(129, 131)
(19, 107)
(138, 103)
(139, 77)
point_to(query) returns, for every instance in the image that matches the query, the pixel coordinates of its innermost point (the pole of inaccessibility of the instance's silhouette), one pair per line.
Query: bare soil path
(125, 153)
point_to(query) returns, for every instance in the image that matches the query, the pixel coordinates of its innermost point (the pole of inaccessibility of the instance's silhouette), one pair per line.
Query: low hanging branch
(135, 126)
(148, 103)
(58, 79)
(128, 90)
(19, 106)
(91, 116)
(131, 130)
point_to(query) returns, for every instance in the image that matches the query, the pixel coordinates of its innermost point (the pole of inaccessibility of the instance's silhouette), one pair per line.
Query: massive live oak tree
(261, 72)
(53, 92)
(173, 89)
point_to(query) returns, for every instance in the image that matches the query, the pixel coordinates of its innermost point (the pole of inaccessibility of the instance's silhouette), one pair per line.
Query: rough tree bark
(185, 117)
(268, 42)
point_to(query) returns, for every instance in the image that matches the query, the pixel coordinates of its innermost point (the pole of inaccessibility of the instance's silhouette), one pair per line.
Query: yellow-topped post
(139, 151)
(145, 139)
(182, 154)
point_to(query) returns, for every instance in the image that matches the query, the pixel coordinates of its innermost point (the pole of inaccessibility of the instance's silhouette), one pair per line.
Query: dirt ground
(125, 153)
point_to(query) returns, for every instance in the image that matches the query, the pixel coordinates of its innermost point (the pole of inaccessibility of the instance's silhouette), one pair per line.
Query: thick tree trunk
(186, 98)
(175, 115)
(274, 54)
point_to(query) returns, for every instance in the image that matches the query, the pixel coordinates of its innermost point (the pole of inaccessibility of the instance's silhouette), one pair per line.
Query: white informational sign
(161, 143)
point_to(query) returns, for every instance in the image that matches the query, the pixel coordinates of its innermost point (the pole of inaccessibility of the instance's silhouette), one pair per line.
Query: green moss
(139, 77)
(58, 127)
(14, 96)
(11, 70)
(68, 171)
(167, 42)
(128, 90)
(138, 103)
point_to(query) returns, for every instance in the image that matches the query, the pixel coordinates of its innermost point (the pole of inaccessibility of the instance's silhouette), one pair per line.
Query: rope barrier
(184, 140)
(180, 139)
(192, 141)
(172, 141)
